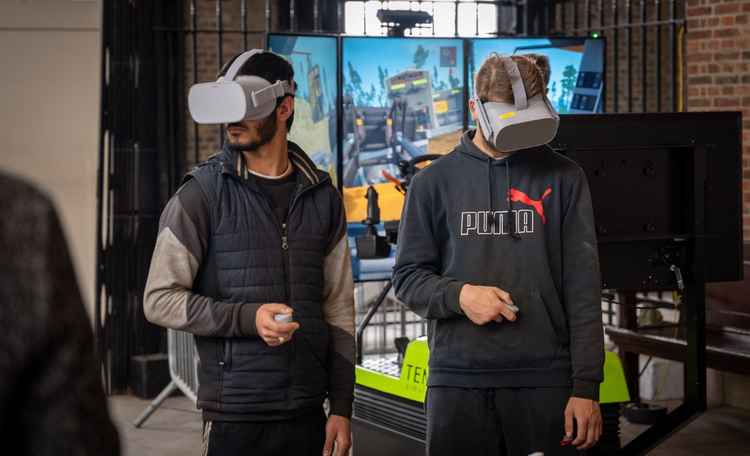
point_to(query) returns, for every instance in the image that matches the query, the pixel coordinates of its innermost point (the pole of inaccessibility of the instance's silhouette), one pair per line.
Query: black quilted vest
(252, 259)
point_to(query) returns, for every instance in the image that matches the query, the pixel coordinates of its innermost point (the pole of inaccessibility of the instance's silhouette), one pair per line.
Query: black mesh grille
(399, 415)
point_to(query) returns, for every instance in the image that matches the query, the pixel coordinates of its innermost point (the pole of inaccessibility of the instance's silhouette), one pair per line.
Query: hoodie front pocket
(528, 342)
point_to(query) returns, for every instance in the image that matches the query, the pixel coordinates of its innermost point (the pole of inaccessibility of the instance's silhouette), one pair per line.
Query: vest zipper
(285, 258)
(284, 230)
(284, 239)
(285, 268)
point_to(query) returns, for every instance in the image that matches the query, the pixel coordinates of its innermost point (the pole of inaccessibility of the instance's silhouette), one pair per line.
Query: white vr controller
(283, 318)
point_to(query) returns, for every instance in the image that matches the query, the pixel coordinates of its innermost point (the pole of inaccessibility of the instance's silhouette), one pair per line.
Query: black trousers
(302, 436)
(496, 422)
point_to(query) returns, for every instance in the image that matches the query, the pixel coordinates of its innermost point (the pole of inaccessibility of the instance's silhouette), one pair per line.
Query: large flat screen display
(402, 97)
(576, 83)
(314, 62)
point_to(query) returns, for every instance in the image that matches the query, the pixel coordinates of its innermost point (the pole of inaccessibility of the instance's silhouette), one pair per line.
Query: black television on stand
(667, 197)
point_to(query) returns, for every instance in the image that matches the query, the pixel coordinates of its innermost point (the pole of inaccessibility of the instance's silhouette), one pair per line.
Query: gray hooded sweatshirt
(524, 224)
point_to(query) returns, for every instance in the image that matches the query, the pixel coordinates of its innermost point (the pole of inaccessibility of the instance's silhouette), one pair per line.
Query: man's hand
(485, 304)
(588, 419)
(273, 332)
(338, 429)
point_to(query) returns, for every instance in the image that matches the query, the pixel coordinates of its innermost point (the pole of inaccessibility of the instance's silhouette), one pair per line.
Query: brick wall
(208, 61)
(718, 69)
(624, 57)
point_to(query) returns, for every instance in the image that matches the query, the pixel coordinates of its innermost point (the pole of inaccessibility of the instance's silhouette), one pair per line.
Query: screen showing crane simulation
(576, 83)
(402, 98)
(314, 62)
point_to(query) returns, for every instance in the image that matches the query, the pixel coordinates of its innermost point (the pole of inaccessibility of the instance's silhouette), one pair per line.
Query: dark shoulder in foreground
(13, 189)
(25, 226)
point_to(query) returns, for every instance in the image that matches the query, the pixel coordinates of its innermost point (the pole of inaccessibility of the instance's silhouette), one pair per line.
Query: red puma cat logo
(517, 196)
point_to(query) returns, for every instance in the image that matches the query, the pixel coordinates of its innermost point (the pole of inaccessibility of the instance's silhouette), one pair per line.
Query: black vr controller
(371, 245)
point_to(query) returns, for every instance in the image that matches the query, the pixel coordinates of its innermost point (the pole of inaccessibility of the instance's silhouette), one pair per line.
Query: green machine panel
(409, 381)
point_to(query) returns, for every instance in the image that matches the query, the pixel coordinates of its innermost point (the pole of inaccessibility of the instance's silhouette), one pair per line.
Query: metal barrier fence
(387, 320)
(183, 370)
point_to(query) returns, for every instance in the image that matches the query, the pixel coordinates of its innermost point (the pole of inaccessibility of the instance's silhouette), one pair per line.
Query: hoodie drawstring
(490, 194)
(511, 229)
(511, 214)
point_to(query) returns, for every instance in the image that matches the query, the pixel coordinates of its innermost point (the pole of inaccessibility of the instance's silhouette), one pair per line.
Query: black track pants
(303, 436)
(496, 422)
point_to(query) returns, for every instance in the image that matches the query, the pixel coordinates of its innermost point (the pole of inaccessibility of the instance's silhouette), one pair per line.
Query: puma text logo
(478, 222)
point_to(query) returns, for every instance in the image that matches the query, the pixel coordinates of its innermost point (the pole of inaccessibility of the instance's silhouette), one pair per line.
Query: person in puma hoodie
(483, 232)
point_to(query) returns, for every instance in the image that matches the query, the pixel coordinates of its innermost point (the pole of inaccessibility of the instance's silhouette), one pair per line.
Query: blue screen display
(576, 68)
(314, 62)
(403, 97)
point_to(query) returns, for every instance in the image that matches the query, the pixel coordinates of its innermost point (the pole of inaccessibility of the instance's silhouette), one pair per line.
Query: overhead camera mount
(398, 21)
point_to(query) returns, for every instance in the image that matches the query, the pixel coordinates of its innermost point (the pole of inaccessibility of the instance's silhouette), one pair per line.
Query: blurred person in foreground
(51, 398)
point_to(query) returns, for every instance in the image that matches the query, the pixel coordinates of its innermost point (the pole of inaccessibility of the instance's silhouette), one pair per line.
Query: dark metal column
(141, 148)
(616, 60)
(694, 402)
(243, 23)
(629, 6)
(532, 18)
(220, 50)
(644, 67)
(628, 319)
(657, 5)
(194, 42)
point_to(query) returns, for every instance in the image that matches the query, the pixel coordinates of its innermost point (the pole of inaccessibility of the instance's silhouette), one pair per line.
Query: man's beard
(266, 132)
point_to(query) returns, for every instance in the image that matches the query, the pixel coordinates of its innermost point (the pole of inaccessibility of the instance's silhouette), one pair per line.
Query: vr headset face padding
(233, 98)
(524, 124)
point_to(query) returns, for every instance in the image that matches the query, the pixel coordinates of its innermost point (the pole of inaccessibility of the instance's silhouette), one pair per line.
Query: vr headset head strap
(265, 95)
(483, 117)
(234, 68)
(519, 92)
(271, 93)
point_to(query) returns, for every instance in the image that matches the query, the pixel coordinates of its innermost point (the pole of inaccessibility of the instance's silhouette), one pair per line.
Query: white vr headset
(528, 122)
(235, 98)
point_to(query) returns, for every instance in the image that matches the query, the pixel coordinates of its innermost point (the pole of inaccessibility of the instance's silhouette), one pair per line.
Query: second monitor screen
(402, 98)
(576, 68)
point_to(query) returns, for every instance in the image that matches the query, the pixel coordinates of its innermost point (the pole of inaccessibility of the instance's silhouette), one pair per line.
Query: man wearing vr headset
(252, 258)
(497, 248)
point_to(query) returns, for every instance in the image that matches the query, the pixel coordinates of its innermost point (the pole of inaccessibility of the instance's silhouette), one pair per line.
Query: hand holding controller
(482, 304)
(275, 324)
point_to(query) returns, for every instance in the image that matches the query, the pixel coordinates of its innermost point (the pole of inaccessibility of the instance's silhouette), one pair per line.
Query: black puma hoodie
(524, 224)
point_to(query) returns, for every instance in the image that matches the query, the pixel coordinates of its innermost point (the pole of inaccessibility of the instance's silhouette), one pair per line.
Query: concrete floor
(720, 431)
(175, 430)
